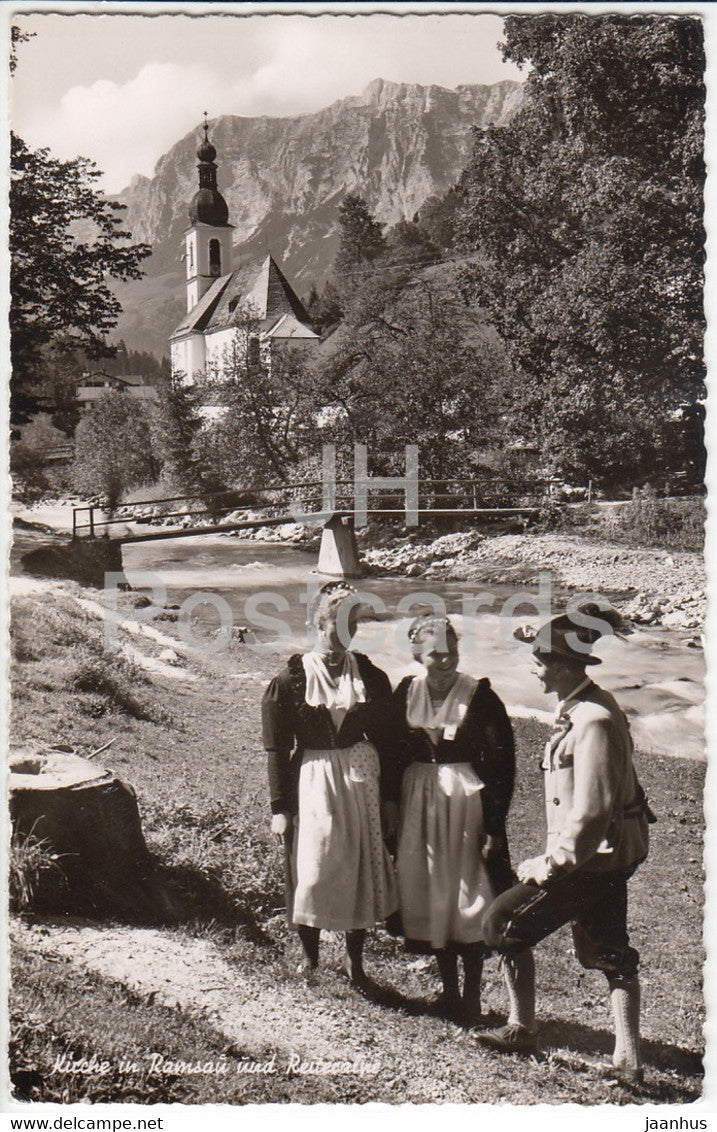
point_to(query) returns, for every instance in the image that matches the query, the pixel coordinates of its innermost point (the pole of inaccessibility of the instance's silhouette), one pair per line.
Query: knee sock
(519, 975)
(625, 1002)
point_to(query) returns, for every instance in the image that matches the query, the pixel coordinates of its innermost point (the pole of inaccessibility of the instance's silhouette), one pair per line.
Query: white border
(508, 1117)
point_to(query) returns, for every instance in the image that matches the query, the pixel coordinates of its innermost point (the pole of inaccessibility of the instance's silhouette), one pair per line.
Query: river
(658, 680)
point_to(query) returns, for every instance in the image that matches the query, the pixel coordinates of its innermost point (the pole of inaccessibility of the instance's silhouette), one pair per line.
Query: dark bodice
(290, 727)
(484, 739)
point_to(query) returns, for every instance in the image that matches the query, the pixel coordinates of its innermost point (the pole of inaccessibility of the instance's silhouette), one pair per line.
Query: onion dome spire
(208, 205)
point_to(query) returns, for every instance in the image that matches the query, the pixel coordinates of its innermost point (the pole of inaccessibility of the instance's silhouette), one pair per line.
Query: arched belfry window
(215, 258)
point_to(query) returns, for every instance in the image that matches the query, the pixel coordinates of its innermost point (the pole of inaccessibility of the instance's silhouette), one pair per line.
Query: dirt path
(191, 973)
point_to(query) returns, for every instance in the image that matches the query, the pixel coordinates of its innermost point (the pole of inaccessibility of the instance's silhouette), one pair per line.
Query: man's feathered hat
(571, 635)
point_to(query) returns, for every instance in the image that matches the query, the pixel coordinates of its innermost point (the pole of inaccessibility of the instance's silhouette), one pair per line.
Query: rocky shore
(652, 587)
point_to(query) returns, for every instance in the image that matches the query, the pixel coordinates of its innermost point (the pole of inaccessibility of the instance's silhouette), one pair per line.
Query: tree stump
(87, 819)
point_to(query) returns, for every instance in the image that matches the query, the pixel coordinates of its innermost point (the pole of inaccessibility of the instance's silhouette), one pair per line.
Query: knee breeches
(595, 904)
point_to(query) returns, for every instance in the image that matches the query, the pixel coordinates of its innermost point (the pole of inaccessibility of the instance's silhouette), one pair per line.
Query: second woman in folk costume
(328, 731)
(452, 855)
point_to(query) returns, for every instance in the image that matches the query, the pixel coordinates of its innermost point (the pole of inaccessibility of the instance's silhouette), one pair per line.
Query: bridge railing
(455, 496)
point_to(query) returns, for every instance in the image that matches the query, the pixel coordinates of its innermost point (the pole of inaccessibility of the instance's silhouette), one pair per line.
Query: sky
(121, 89)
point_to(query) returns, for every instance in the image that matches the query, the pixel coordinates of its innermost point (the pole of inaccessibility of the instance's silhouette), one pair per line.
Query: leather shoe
(511, 1038)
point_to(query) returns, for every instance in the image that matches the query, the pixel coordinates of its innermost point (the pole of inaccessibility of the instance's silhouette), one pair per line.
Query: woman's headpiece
(429, 623)
(332, 593)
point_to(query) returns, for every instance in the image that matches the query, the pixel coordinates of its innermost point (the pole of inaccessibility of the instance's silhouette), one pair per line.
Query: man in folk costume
(597, 818)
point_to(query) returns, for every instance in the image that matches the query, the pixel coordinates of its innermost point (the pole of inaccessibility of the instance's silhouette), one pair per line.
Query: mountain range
(396, 144)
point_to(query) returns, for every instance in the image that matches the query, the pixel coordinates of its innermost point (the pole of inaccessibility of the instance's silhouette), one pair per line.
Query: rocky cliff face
(284, 178)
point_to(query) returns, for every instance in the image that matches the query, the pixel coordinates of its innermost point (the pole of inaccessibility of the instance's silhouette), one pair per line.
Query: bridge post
(338, 553)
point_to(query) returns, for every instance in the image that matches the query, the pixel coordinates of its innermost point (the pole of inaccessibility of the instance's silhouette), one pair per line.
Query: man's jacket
(596, 809)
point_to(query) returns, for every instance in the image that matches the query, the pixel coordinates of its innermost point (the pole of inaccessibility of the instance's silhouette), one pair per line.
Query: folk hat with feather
(570, 636)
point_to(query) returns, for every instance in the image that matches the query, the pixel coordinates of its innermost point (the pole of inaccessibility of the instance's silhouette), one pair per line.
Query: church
(225, 311)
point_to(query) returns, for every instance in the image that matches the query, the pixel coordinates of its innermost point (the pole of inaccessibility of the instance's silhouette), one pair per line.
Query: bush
(647, 520)
(29, 481)
(107, 680)
(113, 448)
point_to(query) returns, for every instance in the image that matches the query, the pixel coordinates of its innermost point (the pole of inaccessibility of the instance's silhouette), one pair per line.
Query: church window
(191, 253)
(214, 257)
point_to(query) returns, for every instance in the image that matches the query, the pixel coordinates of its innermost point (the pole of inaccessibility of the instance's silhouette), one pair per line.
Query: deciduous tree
(587, 213)
(412, 364)
(113, 448)
(266, 409)
(66, 243)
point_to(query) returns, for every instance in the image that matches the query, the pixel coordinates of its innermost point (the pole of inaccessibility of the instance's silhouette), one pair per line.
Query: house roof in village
(267, 296)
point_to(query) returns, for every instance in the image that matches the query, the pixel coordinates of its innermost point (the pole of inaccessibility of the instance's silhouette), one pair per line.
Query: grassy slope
(201, 790)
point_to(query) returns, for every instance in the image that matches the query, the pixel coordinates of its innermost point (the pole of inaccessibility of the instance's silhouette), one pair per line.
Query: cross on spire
(206, 127)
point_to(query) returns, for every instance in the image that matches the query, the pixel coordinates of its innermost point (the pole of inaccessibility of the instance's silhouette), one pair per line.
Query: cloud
(275, 66)
(126, 127)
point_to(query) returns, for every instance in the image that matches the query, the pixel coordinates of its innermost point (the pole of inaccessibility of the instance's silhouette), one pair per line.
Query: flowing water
(657, 679)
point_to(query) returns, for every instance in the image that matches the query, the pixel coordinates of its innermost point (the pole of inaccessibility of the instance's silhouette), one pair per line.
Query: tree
(175, 426)
(411, 364)
(113, 448)
(266, 419)
(409, 243)
(361, 241)
(65, 244)
(587, 214)
(17, 36)
(437, 218)
(324, 309)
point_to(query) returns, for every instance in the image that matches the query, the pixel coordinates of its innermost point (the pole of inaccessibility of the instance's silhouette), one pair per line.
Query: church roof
(288, 326)
(197, 319)
(266, 296)
(208, 206)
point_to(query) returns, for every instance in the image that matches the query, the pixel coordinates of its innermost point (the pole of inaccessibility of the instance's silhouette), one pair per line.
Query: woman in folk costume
(328, 731)
(452, 850)
(597, 835)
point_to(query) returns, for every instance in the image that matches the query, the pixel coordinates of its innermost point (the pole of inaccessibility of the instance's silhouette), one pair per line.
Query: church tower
(208, 240)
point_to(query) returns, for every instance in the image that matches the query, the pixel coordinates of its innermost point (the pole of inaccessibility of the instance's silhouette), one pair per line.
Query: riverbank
(652, 587)
(219, 985)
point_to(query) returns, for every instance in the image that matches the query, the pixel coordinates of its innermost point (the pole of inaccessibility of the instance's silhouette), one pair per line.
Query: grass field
(191, 750)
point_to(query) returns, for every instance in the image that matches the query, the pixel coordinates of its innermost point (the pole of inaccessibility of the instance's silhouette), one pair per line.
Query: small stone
(674, 620)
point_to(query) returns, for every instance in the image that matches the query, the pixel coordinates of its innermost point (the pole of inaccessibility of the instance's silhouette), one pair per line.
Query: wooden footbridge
(309, 503)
